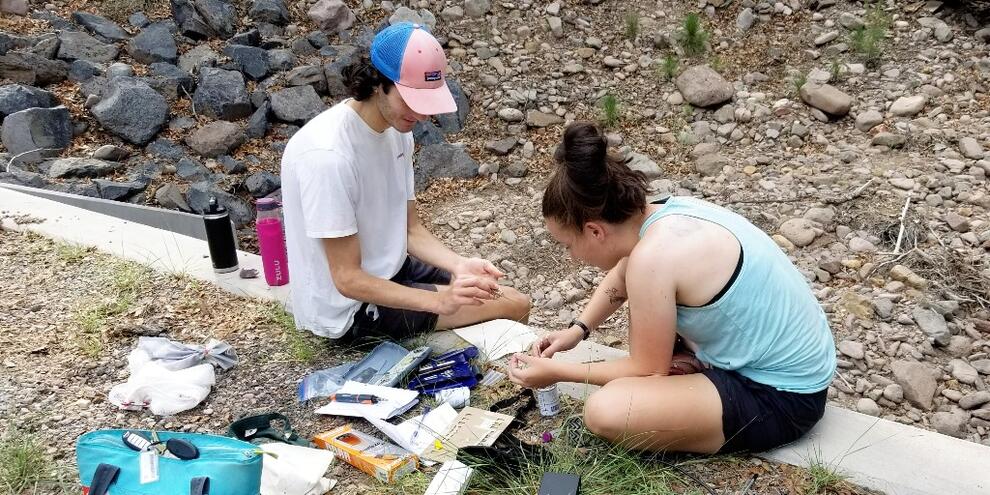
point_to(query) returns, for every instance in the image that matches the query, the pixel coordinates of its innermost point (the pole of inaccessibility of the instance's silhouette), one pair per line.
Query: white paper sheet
(451, 479)
(295, 470)
(434, 424)
(395, 401)
(498, 338)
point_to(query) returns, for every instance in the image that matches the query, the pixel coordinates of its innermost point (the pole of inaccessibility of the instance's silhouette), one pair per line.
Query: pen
(356, 398)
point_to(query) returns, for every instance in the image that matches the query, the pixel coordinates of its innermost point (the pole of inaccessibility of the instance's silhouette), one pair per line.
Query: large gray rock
(331, 15)
(170, 196)
(118, 191)
(198, 198)
(426, 133)
(28, 68)
(711, 164)
(908, 106)
(950, 423)
(17, 97)
(216, 138)
(77, 45)
(221, 94)
(917, 380)
(257, 125)
(46, 129)
(251, 60)
(132, 110)
(536, 118)
(270, 11)
(170, 80)
(969, 147)
(933, 324)
(404, 14)
(974, 400)
(262, 183)
(964, 372)
(454, 122)
(334, 72)
(826, 98)
(81, 167)
(643, 163)
(202, 19)
(800, 231)
(200, 56)
(311, 75)
(477, 8)
(297, 105)
(100, 26)
(701, 86)
(868, 120)
(155, 43)
(442, 160)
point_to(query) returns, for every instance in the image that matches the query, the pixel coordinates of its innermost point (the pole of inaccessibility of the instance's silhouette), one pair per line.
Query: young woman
(701, 282)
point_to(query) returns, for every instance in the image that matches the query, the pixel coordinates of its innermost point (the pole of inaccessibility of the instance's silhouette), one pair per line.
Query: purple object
(547, 437)
(271, 242)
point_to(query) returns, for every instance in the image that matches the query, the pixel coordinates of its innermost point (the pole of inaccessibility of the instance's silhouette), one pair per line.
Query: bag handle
(104, 476)
(199, 486)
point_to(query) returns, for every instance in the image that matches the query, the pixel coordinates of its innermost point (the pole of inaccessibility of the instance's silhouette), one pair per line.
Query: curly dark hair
(592, 183)
(361, 78)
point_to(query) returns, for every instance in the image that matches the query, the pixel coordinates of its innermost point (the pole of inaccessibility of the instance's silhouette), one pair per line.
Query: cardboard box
(378, 458)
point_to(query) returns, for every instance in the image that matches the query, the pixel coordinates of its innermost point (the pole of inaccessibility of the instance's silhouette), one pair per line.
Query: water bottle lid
(266, 204)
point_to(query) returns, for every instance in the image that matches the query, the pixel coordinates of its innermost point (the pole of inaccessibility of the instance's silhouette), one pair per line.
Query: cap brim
(431, 101)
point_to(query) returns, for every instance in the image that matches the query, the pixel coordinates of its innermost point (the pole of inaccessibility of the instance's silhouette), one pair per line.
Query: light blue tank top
(768, 326)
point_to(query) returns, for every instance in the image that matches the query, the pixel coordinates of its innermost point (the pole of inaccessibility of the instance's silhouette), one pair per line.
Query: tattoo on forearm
(614, 296)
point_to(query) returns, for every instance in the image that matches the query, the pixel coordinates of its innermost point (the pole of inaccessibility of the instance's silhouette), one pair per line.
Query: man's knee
(517, 303)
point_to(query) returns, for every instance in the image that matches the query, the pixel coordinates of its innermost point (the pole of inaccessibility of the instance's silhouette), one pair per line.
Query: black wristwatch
(579, 323)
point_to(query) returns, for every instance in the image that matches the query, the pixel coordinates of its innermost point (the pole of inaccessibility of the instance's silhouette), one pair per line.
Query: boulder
(81, 167)
(331, 15)
(454, 122)
(701, 86)
(261, 184)
(170, 80)
(199, 194)
(48, 130)
(216, 138)
(221, 94)
(200, 56)
(711, 164)
(908, 106)
(257, 125)
(477, 8)
(826, 98)
(917, 380)
(270, 11)
(28, 68)
(201, 19)
(933, 324)
(132, 110)
(251, 60)
(169, 196)
(155, 43)
(118, 191)
(442, 160)
(297, 105)
(100, 26)
(77, 45)
(17, 97)
(536, 118)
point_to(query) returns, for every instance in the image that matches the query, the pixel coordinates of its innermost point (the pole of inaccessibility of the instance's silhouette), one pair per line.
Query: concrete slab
(895, 458)
(159, 249)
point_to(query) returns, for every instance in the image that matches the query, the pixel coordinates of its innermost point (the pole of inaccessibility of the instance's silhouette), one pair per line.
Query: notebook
(394, 401)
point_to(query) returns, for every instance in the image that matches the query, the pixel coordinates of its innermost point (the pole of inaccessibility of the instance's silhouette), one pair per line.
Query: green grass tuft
(822, 476)
(610, 110)
(693, 37)
(868, 40)
(798, 80)
(668, 67)
(302, 348)
(71, 253)
(26, 469)
(125, 285)
(632, 25)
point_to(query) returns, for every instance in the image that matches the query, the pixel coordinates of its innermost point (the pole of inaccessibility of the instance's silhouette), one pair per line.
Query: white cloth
(162, 391)
(176, 355)
(339, 178)
(295, 470)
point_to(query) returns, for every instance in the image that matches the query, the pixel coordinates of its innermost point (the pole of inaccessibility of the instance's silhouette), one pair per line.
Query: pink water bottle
(271, 242)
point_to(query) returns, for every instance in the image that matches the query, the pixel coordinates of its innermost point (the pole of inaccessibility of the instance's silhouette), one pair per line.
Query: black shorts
(758, 417)
(372, 322)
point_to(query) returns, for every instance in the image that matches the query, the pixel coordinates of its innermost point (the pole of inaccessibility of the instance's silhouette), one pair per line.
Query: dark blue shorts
(374, 322)
(758, 417)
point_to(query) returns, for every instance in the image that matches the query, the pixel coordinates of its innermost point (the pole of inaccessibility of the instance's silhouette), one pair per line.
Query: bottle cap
(215, 208)
(266, 204)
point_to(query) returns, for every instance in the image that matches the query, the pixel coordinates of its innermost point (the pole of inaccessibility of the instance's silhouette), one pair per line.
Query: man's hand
(464, 291)
(476, 267)
(532, 372)
(561, 340)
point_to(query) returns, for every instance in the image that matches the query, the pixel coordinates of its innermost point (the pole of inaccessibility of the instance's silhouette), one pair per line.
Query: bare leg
(672, 413)
(511, 304)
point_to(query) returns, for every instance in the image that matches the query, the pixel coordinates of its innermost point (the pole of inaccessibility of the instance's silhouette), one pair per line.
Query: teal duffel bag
(222, 466)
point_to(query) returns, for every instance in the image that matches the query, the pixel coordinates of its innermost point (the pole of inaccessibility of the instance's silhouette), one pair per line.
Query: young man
(363, 265)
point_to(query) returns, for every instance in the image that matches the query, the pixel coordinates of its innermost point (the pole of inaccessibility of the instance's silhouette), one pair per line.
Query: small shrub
(822, 476)
(868, 39)
(798, 81)
(610, 110)
(632, 25)
(668, 67)
(22, 462)
(693, 37)
(835, 68)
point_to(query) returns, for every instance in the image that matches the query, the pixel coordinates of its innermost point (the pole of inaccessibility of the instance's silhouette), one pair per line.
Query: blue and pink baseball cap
(413, 59)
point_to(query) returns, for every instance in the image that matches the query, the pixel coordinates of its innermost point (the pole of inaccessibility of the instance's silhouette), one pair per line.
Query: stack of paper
(418, 435)
(498, 338)
(394, 401)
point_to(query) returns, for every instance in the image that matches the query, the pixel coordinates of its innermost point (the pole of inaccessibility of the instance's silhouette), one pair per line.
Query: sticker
(433, 75)
(148, 461)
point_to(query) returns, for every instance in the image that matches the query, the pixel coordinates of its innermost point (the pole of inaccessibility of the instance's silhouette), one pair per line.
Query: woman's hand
(561, 340)
(533, 372)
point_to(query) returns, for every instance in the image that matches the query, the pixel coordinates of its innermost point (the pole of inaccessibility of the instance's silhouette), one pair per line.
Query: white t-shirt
(340, 177)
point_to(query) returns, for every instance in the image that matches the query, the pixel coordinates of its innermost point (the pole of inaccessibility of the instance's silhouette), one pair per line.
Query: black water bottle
(220, 238)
